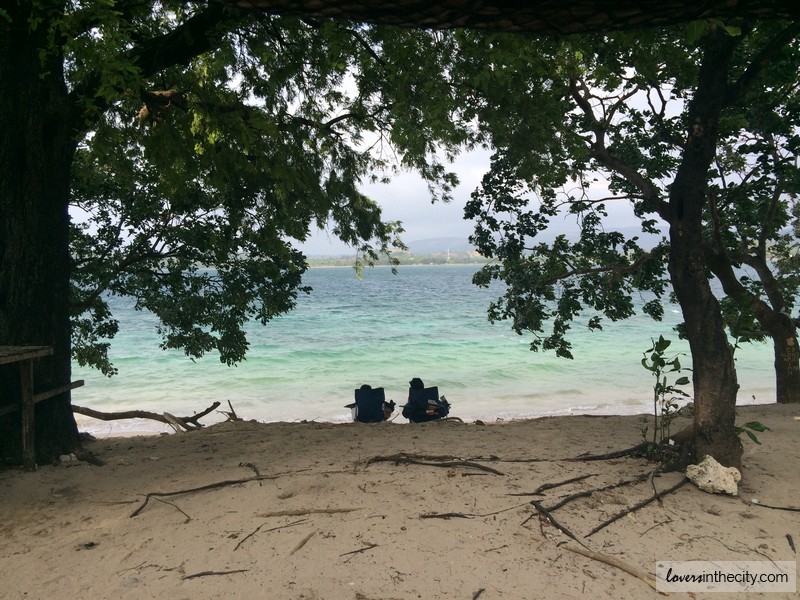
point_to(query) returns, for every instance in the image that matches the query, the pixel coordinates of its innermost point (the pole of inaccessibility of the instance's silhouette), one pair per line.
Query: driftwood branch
(412, 460)
(177, 423)
(614, 562)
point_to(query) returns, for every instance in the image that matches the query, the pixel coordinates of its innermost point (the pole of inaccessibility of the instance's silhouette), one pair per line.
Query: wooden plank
(28, 426)
(12, 354)
(45, 395)
(56, 391)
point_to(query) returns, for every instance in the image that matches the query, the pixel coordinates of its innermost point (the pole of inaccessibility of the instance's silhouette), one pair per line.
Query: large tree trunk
(771, 317)
(714, 372)
(36, 152)
(787, 360)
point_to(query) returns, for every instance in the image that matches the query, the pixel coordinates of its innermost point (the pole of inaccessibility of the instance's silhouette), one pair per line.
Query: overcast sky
(406, 198)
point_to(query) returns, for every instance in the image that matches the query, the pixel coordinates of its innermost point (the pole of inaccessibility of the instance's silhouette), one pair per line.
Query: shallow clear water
(427, 322)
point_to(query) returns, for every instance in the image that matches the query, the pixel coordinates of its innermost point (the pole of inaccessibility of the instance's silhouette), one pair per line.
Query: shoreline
(327, 511)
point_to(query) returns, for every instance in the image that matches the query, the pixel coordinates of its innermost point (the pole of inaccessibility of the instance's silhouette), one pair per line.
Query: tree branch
(651, 195)
(760, 61)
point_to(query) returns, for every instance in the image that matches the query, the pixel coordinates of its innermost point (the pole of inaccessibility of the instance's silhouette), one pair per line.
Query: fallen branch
(614, 562)
(186, 423)
(249, 535)
(302, 512)
(406, 459)
(231, 416)
(636, 507)
(207, 573)
(543, 512)
(790, 508)
(202, 488)
(450, 515)
(354, 552)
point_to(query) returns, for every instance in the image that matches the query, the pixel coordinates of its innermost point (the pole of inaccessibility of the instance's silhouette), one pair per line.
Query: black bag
(424, 404)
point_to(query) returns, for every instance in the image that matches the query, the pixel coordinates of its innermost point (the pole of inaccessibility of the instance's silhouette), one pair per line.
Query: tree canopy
(547, 17)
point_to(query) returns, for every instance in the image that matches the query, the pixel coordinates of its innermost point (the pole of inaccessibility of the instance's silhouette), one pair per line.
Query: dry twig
(614, 562)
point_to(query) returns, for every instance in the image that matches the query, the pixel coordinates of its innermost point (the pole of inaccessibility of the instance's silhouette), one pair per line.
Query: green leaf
(752, 436)
(682, 381)
(756, 426)
(695, 30)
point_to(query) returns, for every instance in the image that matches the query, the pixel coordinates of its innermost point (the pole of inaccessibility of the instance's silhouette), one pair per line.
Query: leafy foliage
(617, 105)
(659, 364)
(215, 139)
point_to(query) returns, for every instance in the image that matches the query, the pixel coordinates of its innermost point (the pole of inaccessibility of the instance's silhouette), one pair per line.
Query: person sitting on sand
(370, 405)
(424, 403)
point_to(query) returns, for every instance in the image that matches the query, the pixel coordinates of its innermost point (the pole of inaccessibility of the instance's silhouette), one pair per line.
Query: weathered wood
(28, 427)
(44, 396)
(12, 354)
(165, 418)
(56, 391)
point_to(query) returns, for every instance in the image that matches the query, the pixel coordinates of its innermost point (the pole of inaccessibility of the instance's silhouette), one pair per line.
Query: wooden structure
(24, 356)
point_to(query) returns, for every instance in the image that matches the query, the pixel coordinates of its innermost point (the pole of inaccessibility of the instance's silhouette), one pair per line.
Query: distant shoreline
(405, 260)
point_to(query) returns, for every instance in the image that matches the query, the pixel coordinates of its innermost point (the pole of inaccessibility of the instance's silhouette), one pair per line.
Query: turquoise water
(426, 321)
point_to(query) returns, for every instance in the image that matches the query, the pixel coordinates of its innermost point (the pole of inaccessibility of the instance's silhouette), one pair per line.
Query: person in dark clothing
(424, 403)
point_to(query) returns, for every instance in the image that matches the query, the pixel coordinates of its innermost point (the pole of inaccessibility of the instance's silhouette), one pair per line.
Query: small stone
(712, 477)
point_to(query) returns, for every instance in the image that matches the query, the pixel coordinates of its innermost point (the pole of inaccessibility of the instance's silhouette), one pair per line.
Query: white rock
(712, 477)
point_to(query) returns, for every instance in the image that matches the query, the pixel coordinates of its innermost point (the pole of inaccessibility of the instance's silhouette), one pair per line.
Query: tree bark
(36, 152)
(776, 323)
(714, 372)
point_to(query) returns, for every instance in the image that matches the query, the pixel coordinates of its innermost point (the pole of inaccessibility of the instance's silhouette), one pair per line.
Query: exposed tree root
(415, 460)
(637, 506)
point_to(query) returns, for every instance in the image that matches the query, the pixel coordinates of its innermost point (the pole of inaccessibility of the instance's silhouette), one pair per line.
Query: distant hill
(440, 245)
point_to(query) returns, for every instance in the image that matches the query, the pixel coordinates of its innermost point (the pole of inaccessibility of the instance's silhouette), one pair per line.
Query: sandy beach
(385, 512)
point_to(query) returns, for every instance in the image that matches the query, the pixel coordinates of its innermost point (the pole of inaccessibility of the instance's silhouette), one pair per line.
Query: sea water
(384, 329)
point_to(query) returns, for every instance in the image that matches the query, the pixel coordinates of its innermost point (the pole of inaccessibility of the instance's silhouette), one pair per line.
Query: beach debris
(209, 573)
(791, 542)
(179, 424)
(712, 477)
(612, 561)
(303, 542)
